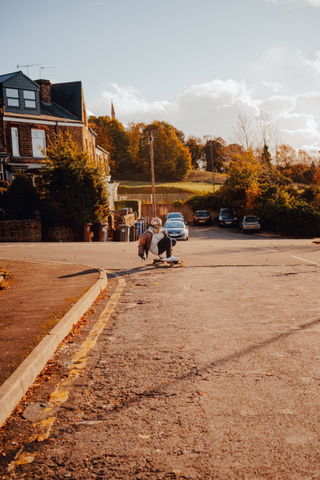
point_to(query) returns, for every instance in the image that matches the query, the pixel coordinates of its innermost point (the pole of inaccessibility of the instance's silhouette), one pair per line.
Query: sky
(197, 64)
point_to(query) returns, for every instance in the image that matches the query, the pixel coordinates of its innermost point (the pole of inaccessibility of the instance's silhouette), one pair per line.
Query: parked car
(227, 217)
(250, 223)
(202, 217)
(174, 216)
(177, 229)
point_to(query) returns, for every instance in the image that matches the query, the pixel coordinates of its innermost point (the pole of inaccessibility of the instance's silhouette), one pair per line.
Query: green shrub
(21, 198)
(292, 218)
(205, 201)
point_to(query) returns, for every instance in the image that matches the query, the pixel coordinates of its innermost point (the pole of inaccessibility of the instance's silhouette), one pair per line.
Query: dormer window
(12, 97)
(29, 99)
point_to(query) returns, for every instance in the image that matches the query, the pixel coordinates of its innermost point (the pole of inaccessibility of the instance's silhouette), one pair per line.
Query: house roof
(7, 76)
(66, 100)
(70, 96)
(3, 78)
(54, 110)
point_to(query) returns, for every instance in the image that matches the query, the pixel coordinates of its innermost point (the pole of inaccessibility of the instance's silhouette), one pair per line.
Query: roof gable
(18, 80)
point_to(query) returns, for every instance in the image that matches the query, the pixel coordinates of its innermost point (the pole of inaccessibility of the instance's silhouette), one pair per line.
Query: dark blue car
(227, 217)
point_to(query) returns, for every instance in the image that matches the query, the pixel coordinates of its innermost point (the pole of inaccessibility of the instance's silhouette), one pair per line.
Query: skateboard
(164, 260)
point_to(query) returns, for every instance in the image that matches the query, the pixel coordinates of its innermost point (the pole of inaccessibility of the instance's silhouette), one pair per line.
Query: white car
(177, 229)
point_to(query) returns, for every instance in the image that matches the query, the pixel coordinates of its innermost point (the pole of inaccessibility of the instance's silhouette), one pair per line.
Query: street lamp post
(152, 177)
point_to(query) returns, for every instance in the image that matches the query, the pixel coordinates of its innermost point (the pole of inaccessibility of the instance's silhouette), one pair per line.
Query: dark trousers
(165, 245)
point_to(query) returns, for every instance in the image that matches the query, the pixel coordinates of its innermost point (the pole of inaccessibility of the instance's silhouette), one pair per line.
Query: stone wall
(20, 231)
(60, 234)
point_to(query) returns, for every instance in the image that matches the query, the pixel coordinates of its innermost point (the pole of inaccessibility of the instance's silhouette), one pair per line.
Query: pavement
(42, 302)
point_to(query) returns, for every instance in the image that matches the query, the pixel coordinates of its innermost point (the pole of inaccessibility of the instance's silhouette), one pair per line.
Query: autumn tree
(73, 188)
(242, 186)
(231, 152)
(215, 154)
(172, 160)
(112, 136)
(136, 146)
(287, 155)
(196, 148)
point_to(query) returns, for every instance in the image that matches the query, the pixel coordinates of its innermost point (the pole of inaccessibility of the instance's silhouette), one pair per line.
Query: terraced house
(32, 112)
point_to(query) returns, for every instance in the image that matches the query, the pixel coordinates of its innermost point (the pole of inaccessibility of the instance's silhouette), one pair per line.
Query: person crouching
(157, 241)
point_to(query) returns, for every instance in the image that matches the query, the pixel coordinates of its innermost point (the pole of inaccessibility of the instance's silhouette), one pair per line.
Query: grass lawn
(197, 182)
(164, 187)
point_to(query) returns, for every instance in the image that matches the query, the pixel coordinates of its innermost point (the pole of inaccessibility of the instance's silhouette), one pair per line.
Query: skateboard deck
(163, 260)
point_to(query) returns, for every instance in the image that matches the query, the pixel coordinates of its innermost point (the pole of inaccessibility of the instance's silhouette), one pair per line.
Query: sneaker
(172, 259)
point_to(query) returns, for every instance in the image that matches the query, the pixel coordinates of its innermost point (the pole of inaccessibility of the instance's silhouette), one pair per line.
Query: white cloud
(284, 84)
(314, 3)
(276, 87)
(128, 102)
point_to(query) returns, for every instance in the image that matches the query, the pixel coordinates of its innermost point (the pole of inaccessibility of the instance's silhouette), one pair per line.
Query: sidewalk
(37, 301)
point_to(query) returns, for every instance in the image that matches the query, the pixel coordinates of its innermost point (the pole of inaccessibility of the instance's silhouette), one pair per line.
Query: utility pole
(152, 177)
(212, 168)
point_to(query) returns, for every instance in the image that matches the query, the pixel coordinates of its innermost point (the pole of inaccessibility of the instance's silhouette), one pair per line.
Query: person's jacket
(145, 241)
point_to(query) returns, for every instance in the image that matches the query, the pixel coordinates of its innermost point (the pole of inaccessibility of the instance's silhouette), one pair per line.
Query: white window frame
(12, 95)
(29, 99)
(15, 142)
(38, 143)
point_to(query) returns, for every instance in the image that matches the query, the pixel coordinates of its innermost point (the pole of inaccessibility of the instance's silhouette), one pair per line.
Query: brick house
(32, 112)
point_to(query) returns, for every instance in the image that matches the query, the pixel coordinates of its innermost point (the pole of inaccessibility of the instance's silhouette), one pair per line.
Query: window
(38, 143)
(29, 99)
(15, 142)
(12, 97)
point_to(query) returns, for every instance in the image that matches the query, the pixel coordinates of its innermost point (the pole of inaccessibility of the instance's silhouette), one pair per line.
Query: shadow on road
(159, 390)
(84, 272)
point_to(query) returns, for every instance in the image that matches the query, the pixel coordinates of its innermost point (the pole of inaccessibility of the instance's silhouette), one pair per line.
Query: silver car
(177, 229)
(174, 216)
(250, 223)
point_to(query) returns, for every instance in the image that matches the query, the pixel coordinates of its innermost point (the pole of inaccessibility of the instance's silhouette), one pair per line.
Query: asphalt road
(210, 371)
(208, 246)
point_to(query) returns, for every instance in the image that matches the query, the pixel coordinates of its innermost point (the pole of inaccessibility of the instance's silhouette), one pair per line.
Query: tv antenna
(42, 68)
(27, 66)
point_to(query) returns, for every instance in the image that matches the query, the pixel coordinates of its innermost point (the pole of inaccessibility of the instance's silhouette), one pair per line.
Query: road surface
(210, 371)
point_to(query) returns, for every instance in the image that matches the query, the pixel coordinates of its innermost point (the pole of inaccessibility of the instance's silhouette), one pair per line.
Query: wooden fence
(163, 209)
(160, 197)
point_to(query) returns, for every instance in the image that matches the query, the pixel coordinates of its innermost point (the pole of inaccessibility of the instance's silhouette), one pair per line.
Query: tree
(172, 160)
(286, 156)
(242, 187)
(196, 149)
(242, 132)
(264, 128)
(215, 154)
(136, 139)
(74, 190)
(112, 136)
(231, 151)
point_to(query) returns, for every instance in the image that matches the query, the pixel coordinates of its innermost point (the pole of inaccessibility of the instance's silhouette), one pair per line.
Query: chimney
(45, 90)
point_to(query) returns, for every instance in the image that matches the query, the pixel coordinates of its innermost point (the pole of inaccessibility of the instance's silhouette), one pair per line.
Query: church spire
(113, 114)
